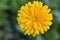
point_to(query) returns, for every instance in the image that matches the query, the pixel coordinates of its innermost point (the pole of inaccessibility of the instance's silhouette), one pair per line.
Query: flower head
(34, 18)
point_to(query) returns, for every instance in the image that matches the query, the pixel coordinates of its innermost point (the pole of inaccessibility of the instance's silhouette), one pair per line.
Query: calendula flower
(34, 18)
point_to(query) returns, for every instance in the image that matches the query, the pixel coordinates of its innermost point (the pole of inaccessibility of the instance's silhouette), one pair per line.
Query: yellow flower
(34, 18)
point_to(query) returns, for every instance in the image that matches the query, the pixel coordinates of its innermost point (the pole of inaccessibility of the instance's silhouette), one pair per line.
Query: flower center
(35, 19)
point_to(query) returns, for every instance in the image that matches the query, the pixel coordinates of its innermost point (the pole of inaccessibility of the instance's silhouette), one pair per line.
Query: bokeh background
(9, 29)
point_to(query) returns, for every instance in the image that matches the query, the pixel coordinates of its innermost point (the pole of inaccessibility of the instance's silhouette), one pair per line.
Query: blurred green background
(9, 29)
